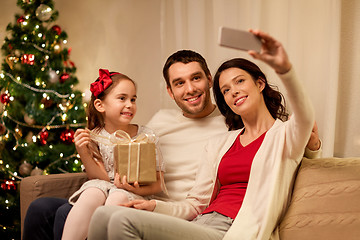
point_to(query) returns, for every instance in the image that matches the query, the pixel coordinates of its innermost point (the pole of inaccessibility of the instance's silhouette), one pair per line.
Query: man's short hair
(184, 56)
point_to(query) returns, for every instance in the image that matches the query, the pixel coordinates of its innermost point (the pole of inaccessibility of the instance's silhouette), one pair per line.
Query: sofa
(325, 203)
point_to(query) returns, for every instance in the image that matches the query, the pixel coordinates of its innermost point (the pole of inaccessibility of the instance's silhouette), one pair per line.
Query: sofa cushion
(325, 202)
(53, 185)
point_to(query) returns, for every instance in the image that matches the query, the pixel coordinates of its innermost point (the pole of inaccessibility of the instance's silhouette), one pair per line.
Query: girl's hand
(123, 184)
(82, 140)
(272, 52)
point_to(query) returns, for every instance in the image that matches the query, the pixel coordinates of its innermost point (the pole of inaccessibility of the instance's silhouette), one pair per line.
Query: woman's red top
(233, 175)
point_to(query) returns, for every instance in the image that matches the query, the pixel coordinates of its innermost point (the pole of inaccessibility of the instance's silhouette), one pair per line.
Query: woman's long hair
(272, 97)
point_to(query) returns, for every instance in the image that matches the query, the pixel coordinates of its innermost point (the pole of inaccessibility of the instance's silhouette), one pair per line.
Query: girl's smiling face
(119, 105)
(241, 93)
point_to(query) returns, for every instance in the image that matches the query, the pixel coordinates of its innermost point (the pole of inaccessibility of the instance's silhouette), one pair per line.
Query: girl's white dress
(105, 153)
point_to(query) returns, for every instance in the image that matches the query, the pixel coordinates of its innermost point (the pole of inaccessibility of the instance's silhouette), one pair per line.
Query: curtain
(310, 31)
(136, 37)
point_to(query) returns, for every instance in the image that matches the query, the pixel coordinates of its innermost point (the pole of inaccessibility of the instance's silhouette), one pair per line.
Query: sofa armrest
(53, 185)
(325, 201)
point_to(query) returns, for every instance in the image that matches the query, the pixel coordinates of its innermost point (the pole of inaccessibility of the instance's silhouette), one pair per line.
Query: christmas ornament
(11, 60)
(36, 171)
(65, 105)
(64, 77)
(43, 12)
(28, 59)
(57, 29)
(5, 98)
(57, 48)
(25, 169)
(69, 63)
(8, 185)
(2, 129)
(67, 136)
(47, 101)
(29, 119)
(53, 77)
(18, 132)
(43, 136)
(20, 20)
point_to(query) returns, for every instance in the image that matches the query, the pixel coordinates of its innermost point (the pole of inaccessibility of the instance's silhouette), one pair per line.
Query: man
(182, 136)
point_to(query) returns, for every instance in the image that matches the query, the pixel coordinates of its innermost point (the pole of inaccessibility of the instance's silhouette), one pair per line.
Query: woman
(259, 158)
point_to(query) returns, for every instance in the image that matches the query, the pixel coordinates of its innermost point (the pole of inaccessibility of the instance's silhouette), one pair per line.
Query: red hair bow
(102, 83)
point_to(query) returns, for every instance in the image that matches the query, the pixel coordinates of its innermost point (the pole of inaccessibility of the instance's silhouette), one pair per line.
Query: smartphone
(239, 39)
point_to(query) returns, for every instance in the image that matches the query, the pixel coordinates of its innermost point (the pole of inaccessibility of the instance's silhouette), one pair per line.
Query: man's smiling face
(190, 88)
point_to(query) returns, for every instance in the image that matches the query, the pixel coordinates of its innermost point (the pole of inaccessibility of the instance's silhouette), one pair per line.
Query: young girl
(112, 107)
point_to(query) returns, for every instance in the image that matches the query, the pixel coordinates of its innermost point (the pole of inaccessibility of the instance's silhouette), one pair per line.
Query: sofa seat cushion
(325, 202)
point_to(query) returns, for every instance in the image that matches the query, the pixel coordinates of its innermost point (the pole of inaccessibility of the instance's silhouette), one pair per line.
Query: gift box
(133, 158)
(137, 161)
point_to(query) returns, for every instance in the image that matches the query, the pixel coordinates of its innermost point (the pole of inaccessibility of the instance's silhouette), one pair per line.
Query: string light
(64, 117)
(35, 89)
(56, 47)
(37, 82)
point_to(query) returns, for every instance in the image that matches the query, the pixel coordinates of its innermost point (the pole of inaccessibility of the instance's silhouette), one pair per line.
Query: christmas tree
(40, 109)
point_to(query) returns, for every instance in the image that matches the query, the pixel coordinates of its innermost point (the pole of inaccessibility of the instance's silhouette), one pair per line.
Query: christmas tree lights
(40, 109)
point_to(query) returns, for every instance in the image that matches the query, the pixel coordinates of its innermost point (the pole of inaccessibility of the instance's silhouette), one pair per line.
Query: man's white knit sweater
(182, 141)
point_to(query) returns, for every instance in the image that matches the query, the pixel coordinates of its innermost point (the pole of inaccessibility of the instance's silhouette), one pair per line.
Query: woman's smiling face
(241, 93)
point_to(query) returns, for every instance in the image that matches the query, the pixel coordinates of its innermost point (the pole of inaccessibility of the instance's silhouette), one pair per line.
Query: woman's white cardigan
(271, 177)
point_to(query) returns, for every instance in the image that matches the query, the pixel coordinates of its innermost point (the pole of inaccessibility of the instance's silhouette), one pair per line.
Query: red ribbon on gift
(102, 83)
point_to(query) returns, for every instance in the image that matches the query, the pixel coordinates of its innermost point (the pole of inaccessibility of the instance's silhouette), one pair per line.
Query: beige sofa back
(325, 202)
